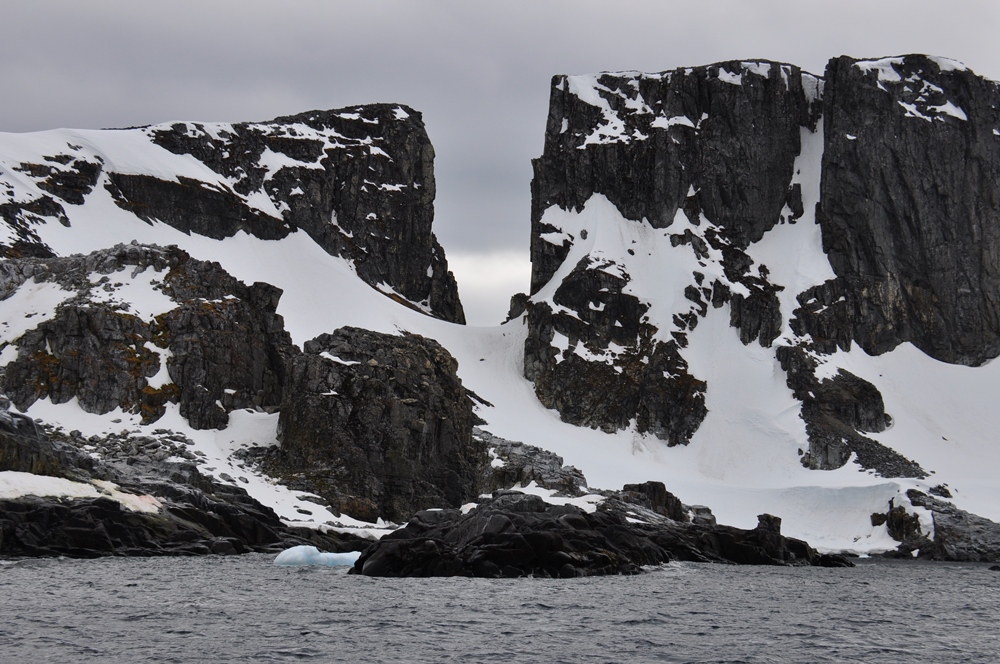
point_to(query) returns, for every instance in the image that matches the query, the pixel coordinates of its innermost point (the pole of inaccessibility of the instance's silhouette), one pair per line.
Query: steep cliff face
(910, 206)
(359, 181)
(648, 194)
(378, 425)
(720, 139)
(662, 197)
(710, 271)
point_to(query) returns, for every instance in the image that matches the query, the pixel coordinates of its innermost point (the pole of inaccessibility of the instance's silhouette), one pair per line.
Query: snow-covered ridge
(627, 115)
(136, 151)
(919, 98)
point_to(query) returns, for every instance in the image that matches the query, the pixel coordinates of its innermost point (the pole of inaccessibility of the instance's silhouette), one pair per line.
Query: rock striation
(910, 205)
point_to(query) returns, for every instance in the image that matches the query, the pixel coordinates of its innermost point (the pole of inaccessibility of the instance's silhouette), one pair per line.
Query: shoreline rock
(515, 535)
(196, 516)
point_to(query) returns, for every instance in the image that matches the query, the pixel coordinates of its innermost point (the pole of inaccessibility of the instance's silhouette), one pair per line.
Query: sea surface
(244, 609)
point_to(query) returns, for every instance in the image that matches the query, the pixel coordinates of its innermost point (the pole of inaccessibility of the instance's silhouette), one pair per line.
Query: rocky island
(219, 338)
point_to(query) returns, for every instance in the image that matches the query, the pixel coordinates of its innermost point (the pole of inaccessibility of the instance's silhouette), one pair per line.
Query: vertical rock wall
(908, 207)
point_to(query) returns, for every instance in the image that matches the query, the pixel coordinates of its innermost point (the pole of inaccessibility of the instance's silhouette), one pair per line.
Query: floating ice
(310, 555)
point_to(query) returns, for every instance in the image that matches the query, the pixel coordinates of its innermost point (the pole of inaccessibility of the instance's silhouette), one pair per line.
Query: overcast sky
(479, 72)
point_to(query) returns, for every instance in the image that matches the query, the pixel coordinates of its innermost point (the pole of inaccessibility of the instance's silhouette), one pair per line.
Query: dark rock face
(514, 535)
(225, 345)
(713, 146)
(649, 382)
(378, 425)
(359, 181)
(665, 133)
(910, 204)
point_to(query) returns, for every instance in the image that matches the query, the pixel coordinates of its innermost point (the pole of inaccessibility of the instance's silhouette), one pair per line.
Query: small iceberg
(310, 555)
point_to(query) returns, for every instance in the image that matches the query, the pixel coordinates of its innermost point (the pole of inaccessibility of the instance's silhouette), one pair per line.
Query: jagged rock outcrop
(653, 190)
(514, 535)
(378, 425)
(837, 411)
(359, 181)
(191, 515)
(958, 535)
(515, 464)
(213, 344)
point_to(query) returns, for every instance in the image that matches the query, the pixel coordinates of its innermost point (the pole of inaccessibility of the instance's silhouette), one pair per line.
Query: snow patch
(883, 67)
(29, 305)
(760, 68)
(14, 484)
(677, 120)
(729, 77)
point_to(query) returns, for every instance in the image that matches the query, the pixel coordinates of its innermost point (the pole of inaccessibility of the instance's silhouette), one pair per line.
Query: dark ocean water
(243, 609)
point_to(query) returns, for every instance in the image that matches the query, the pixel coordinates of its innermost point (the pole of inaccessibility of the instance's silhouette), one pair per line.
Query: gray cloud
(479, 72)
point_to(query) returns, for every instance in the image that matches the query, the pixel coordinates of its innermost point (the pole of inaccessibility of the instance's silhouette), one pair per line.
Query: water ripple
(242, 609)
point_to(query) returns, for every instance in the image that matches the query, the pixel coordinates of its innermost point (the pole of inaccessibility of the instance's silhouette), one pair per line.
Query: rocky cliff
(379, 425)
(656, 201)
(374, 425)
(359, 181)
(204, 340)
(910, 208)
